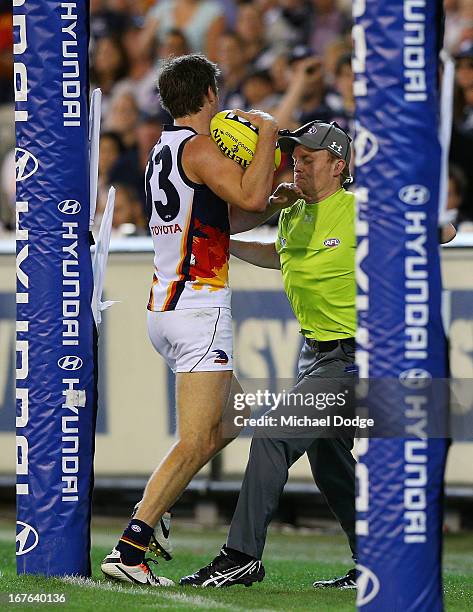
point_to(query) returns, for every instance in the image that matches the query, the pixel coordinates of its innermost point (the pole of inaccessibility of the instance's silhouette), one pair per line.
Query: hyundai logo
(27, 538)
(26, 164)
(414, 195)
(70, 362)
(415, 378)
(367, 585)
(366, 146)
(69, 207)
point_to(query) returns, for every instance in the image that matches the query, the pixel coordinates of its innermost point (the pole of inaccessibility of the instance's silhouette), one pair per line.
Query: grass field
(292, 562)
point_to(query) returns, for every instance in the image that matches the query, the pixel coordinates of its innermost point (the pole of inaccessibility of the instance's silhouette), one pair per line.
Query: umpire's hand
(285, 195)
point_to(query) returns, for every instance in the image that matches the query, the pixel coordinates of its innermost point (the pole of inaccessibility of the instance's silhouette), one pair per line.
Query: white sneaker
(160, 543)
(113, 567)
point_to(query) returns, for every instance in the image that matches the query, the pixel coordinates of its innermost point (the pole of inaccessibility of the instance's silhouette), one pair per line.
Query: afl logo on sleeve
(332, 242)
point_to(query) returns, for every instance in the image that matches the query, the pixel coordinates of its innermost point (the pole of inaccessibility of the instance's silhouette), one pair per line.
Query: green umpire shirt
(316, 246)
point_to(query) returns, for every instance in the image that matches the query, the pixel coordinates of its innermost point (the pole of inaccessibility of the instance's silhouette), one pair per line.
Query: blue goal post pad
(56, 344)
(400, 333)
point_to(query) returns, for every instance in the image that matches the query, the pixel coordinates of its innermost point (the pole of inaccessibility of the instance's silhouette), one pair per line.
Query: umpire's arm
(259, 254)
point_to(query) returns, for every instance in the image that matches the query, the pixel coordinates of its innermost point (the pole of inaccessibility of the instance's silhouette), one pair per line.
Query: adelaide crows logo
(221, 357)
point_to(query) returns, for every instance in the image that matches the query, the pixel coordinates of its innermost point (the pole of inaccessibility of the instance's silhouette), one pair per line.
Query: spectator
(133, 9)
(464, 81)
(453, 25)
(250, 28)
(130, 167)
(174, 44)
(456, 192)
(305, 96)
(258, 90)
(201, 21)
(328, 23)
(109, 65)
(141, 78)
(342, 101)
(287, 23)
(110, 149)
(233, 66)
(104, 21)
(128, 218)
(333, 53)
(123, 118)
(279, 71)
(457, 211)
(466, 23)
(461, 154)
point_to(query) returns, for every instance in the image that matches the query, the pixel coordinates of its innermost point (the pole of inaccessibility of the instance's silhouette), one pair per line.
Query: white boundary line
(193, 601)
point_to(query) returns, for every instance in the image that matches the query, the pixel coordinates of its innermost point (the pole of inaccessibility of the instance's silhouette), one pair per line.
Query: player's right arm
(246, 189)
(259, 254)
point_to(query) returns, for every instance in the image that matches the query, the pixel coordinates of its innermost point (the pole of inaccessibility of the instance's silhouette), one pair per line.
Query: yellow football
(237, 138)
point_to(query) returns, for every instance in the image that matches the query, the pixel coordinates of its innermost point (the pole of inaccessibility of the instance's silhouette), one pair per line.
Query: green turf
(292, 562)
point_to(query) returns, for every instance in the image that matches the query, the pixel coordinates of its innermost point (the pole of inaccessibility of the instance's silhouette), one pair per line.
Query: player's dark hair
(184, 82)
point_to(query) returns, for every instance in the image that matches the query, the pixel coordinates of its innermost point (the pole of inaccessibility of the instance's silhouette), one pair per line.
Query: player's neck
(200, 122)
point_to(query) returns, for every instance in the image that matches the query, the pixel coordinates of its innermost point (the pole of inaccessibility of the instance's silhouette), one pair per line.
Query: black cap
(318, 136)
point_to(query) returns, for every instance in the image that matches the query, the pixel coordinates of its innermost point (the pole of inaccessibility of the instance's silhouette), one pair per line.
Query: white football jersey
(190, 230)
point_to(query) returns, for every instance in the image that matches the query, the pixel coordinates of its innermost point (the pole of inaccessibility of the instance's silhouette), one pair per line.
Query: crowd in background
(291, 58)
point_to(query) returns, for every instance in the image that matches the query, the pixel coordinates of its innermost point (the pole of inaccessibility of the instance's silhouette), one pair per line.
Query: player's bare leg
(160, 543)
(201, 435)
(201, 398)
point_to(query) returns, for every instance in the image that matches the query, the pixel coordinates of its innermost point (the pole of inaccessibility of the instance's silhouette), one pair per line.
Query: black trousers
(271, 456)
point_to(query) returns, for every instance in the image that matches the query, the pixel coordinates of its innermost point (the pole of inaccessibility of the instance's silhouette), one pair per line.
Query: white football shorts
(193, 339)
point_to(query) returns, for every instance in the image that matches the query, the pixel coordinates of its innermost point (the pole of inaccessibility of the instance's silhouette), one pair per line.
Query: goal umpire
(315, 250)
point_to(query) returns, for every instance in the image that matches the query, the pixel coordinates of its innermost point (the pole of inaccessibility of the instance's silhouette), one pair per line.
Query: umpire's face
(316, 173)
